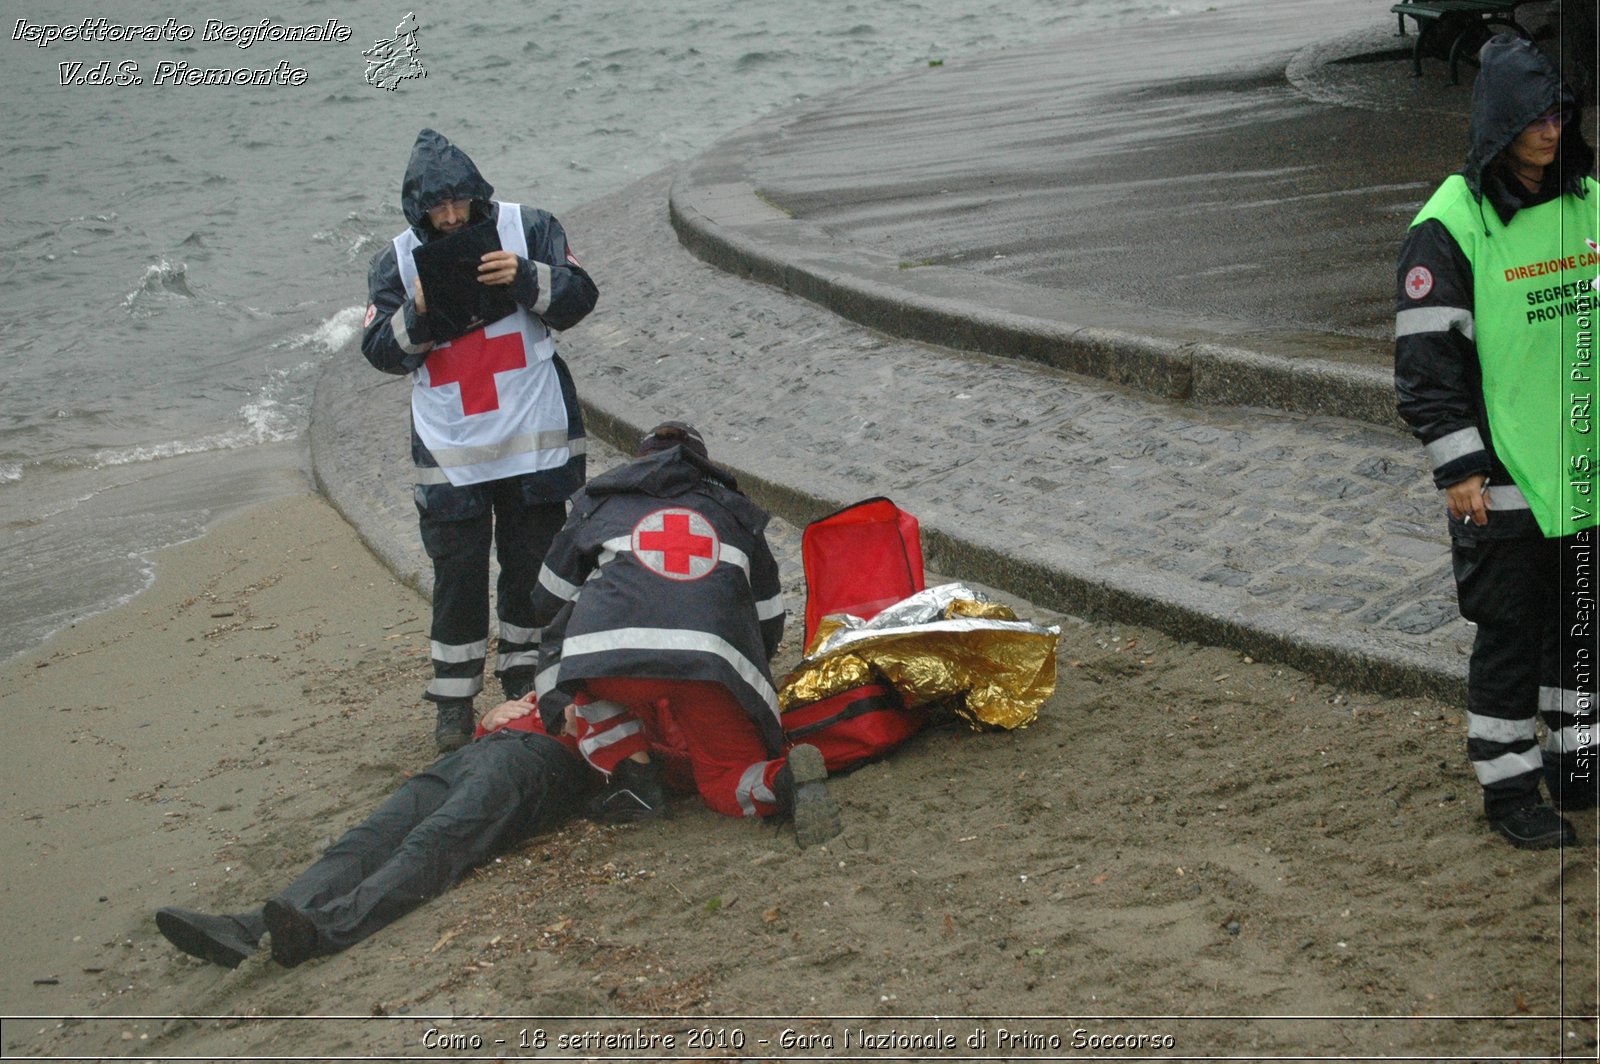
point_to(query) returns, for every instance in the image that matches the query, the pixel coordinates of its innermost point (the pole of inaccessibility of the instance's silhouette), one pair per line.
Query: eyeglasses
(1553, 120)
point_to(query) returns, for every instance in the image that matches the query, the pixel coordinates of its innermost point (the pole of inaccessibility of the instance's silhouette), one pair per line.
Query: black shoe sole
(178, 929)
(1549, 841)
(294, 936)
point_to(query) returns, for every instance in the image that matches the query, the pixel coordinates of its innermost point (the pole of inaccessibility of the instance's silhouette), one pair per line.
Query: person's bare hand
(506, 712)
(422, 304)
(1469, 500)
(498, 267)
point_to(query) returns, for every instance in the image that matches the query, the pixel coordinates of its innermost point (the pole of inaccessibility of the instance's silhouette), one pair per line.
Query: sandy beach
(1188, 845)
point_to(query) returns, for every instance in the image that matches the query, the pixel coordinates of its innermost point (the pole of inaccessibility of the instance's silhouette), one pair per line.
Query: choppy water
(178, 262)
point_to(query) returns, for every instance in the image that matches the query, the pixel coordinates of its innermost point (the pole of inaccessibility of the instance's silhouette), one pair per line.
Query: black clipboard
(448, 268)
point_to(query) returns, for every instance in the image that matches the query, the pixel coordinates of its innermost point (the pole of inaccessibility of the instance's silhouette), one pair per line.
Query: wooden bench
(1453, 28)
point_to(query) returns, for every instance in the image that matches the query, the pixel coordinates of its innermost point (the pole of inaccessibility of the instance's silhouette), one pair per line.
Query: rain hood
(1516, 84)
(439, 171)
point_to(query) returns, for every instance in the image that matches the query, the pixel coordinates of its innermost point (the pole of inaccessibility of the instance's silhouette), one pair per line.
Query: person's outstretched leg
(228, 939)
(506, 787)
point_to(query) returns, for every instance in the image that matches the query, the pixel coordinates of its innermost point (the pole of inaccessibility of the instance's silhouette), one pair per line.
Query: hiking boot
(455, 724)
(518, 681)
(223, 940)
(633, 793)
(294, 936)
(1570, 791)
(802, 788)
(1534, 826)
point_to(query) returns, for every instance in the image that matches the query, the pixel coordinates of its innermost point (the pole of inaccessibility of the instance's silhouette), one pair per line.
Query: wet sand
(1184, 833)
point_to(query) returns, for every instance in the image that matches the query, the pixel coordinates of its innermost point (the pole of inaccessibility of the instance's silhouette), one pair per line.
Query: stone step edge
(1195, 371)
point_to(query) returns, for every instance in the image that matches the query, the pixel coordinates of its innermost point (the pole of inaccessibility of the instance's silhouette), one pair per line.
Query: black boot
(633, 793)
(1529, 824)
(518, 681)
(455, 725)
(224, 940)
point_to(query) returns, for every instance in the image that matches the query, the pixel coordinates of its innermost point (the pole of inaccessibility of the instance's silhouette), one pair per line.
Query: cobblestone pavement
(1318, 541)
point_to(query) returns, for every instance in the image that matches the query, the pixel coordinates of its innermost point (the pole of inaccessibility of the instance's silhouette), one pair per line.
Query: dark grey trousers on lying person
(492, 793)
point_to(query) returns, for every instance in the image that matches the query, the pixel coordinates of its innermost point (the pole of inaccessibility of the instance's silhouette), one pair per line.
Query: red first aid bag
(854, 726)
(860, 560)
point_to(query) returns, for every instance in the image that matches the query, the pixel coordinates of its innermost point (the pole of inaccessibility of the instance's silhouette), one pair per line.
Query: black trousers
(491, 793)
(1535, 654)
(459, 525)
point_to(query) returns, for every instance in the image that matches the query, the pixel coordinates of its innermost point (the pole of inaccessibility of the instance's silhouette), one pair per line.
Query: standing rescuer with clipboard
(496, 434)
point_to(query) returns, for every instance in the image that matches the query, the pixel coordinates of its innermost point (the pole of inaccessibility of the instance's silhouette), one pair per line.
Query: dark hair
(672, 434)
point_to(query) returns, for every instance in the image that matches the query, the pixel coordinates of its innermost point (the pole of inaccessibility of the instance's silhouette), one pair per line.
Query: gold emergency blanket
(945, 643)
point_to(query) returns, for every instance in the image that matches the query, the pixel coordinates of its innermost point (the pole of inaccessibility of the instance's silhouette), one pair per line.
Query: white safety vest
(488, 404)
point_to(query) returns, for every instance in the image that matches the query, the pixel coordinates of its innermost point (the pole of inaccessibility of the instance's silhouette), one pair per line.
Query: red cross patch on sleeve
(372, 312)
(1419, 282)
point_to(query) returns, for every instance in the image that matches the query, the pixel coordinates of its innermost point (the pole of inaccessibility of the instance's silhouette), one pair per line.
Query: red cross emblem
(1419, 282)
(472, 361)
(676, 544)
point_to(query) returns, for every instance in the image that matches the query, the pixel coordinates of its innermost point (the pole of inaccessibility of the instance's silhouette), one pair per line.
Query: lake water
(179, 261)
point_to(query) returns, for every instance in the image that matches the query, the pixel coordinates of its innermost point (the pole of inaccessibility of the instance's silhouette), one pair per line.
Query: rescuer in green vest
(1496, 375)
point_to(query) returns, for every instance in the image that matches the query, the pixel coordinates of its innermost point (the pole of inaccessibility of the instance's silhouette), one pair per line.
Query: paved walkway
(1209, 212)
(1300, 537)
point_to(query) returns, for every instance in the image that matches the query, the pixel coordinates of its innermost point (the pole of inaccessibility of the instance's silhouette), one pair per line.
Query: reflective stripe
(1507, 497)
(556, 586)
(767, 609)
(457, 654)
(610, 737)
(1458, 444)
(734, 556)
(446, 687)
(515, 633)
(1508, 765)
(672, 639)
(1433, 319)
(1567, 703)
(431, 475)
(541, 273)
(1571, 740)
(547, 440)
(753, 788)
(545, 682)
(517, 659)
(597, 713)
(613, 547)
(1498, 729)
(397, 326)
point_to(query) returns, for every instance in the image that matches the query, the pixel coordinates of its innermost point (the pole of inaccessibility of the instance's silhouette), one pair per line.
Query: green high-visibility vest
(1534, 322)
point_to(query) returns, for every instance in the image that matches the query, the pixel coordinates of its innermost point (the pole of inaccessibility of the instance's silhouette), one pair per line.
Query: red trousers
(697, 730)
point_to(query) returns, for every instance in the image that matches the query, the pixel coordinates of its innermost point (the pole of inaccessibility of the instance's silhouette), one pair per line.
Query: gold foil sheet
(943, 643)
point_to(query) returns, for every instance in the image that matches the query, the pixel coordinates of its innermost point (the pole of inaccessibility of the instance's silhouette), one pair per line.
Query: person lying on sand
(512, 782)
